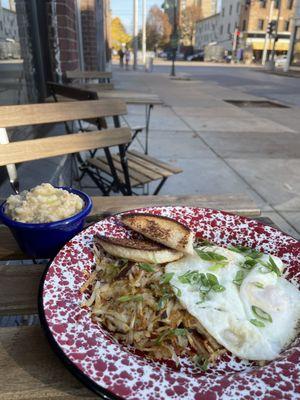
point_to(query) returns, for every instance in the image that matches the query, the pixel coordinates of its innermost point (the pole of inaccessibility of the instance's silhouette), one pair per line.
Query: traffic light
(271, 27)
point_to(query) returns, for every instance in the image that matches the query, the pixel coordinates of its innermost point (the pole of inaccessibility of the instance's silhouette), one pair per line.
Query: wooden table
(28, 367)
(148, 100)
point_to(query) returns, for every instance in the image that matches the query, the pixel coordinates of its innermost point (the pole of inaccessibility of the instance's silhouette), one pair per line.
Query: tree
(158, 28)
(119, 36)
(189, 18)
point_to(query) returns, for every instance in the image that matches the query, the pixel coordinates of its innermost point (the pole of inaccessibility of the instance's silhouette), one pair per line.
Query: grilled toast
(162, 230)
(138, 250)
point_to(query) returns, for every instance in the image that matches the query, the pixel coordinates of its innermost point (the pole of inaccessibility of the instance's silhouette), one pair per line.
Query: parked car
(162, 54)
(280, 61)
(179, 56)
(196, 57)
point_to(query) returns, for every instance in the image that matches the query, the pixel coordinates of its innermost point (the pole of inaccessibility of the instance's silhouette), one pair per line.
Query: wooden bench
(143, 169)
(29, 369)
(33, 114)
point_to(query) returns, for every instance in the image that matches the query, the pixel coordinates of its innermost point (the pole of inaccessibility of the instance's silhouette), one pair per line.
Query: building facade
(207, 30)
(255, 17)
(295, 42)
(220, 27)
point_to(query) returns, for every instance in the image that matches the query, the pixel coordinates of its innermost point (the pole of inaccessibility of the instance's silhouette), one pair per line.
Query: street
(223, 148)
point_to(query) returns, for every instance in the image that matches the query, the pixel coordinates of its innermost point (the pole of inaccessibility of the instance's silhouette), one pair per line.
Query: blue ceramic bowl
(45, 240)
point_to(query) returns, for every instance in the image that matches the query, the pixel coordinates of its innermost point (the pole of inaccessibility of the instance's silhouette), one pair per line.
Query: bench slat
(103, 166)
(30, 370)
(159, 163)
(29, 114)
(141, 178)
(151, 165)
(95, 86)
(60, 145)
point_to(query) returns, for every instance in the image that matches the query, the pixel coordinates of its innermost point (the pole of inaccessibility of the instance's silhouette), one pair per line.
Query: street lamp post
(172, 4)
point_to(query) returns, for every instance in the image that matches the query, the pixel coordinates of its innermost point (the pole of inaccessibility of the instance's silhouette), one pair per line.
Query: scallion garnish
(146, 267)
(257, 323)
(239, 277)
(124, 299)
(167, 277)
(261, 314)
(246, 251)
(201, 362)
(258, 284)
(270, 267)
(210, 255)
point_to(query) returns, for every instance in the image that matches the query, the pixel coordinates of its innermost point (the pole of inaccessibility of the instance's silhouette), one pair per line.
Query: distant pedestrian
(127, 58)
(121, 57)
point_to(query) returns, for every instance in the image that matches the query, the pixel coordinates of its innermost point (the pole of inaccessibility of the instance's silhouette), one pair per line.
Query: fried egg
(254, 313)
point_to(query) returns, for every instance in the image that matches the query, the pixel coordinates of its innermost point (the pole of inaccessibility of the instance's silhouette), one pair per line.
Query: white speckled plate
(114, 371)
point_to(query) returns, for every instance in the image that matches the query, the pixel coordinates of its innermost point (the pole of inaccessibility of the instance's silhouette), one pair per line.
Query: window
(286, 25)
(276, 4)
(290, 4)
(223, 12)
(221, 30)
(230, 9)
(244, 26)
(260, 24)
(228, 28)
(237, 7)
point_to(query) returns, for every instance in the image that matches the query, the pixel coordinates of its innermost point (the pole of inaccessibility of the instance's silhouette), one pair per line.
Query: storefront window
(296, 49)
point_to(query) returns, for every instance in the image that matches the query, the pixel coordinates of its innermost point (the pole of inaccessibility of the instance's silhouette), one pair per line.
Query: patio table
(28, 367)
(148, 100)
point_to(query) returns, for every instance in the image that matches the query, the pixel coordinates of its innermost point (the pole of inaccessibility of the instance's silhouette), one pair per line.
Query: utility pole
(135, 33)
(267, 36)
(276, 35)
(144, 30)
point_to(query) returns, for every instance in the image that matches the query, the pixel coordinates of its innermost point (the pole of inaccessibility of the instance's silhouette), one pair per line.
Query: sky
(124, 10)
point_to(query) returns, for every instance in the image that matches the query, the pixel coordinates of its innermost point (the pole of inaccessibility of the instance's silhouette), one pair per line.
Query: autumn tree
(189, 18)
(119, 36)
(158, 28)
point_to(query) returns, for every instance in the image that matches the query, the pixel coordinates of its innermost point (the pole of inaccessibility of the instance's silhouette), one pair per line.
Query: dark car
(196, 57)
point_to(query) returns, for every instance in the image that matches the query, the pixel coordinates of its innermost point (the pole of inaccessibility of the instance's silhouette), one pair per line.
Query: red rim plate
(112, 369)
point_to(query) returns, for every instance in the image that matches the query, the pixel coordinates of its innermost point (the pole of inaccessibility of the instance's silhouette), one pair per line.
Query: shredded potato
(140, 310)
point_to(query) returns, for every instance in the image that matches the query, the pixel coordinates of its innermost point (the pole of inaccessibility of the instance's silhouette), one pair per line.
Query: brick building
(61, 35)
(255, 16)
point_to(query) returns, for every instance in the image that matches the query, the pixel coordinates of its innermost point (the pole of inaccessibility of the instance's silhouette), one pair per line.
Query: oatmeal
(44, 203)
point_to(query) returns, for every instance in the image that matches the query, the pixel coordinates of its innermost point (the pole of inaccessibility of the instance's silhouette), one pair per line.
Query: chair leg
(160, 185)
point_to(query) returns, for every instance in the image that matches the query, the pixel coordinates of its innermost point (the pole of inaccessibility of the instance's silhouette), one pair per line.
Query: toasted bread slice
(161, 229)
(139, 250)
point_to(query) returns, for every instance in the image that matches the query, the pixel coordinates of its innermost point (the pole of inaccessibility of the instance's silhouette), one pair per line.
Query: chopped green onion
(239, 277)
(261, 314)
(146, 267)
(202, 362)
(124, 299)
(218, 265)
(179, 331)
(246, 251)
(210, 255)
(249, 263)
(258, 323)
(167, 277)
(178, 294)
(212, 279)
(271, 267)
(258, 284)
(218, 288)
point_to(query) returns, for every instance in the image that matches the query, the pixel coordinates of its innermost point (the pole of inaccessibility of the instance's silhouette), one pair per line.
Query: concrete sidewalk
(223, 148)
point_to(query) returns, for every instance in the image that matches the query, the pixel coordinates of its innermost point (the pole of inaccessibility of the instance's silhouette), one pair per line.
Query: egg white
(226, 315)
